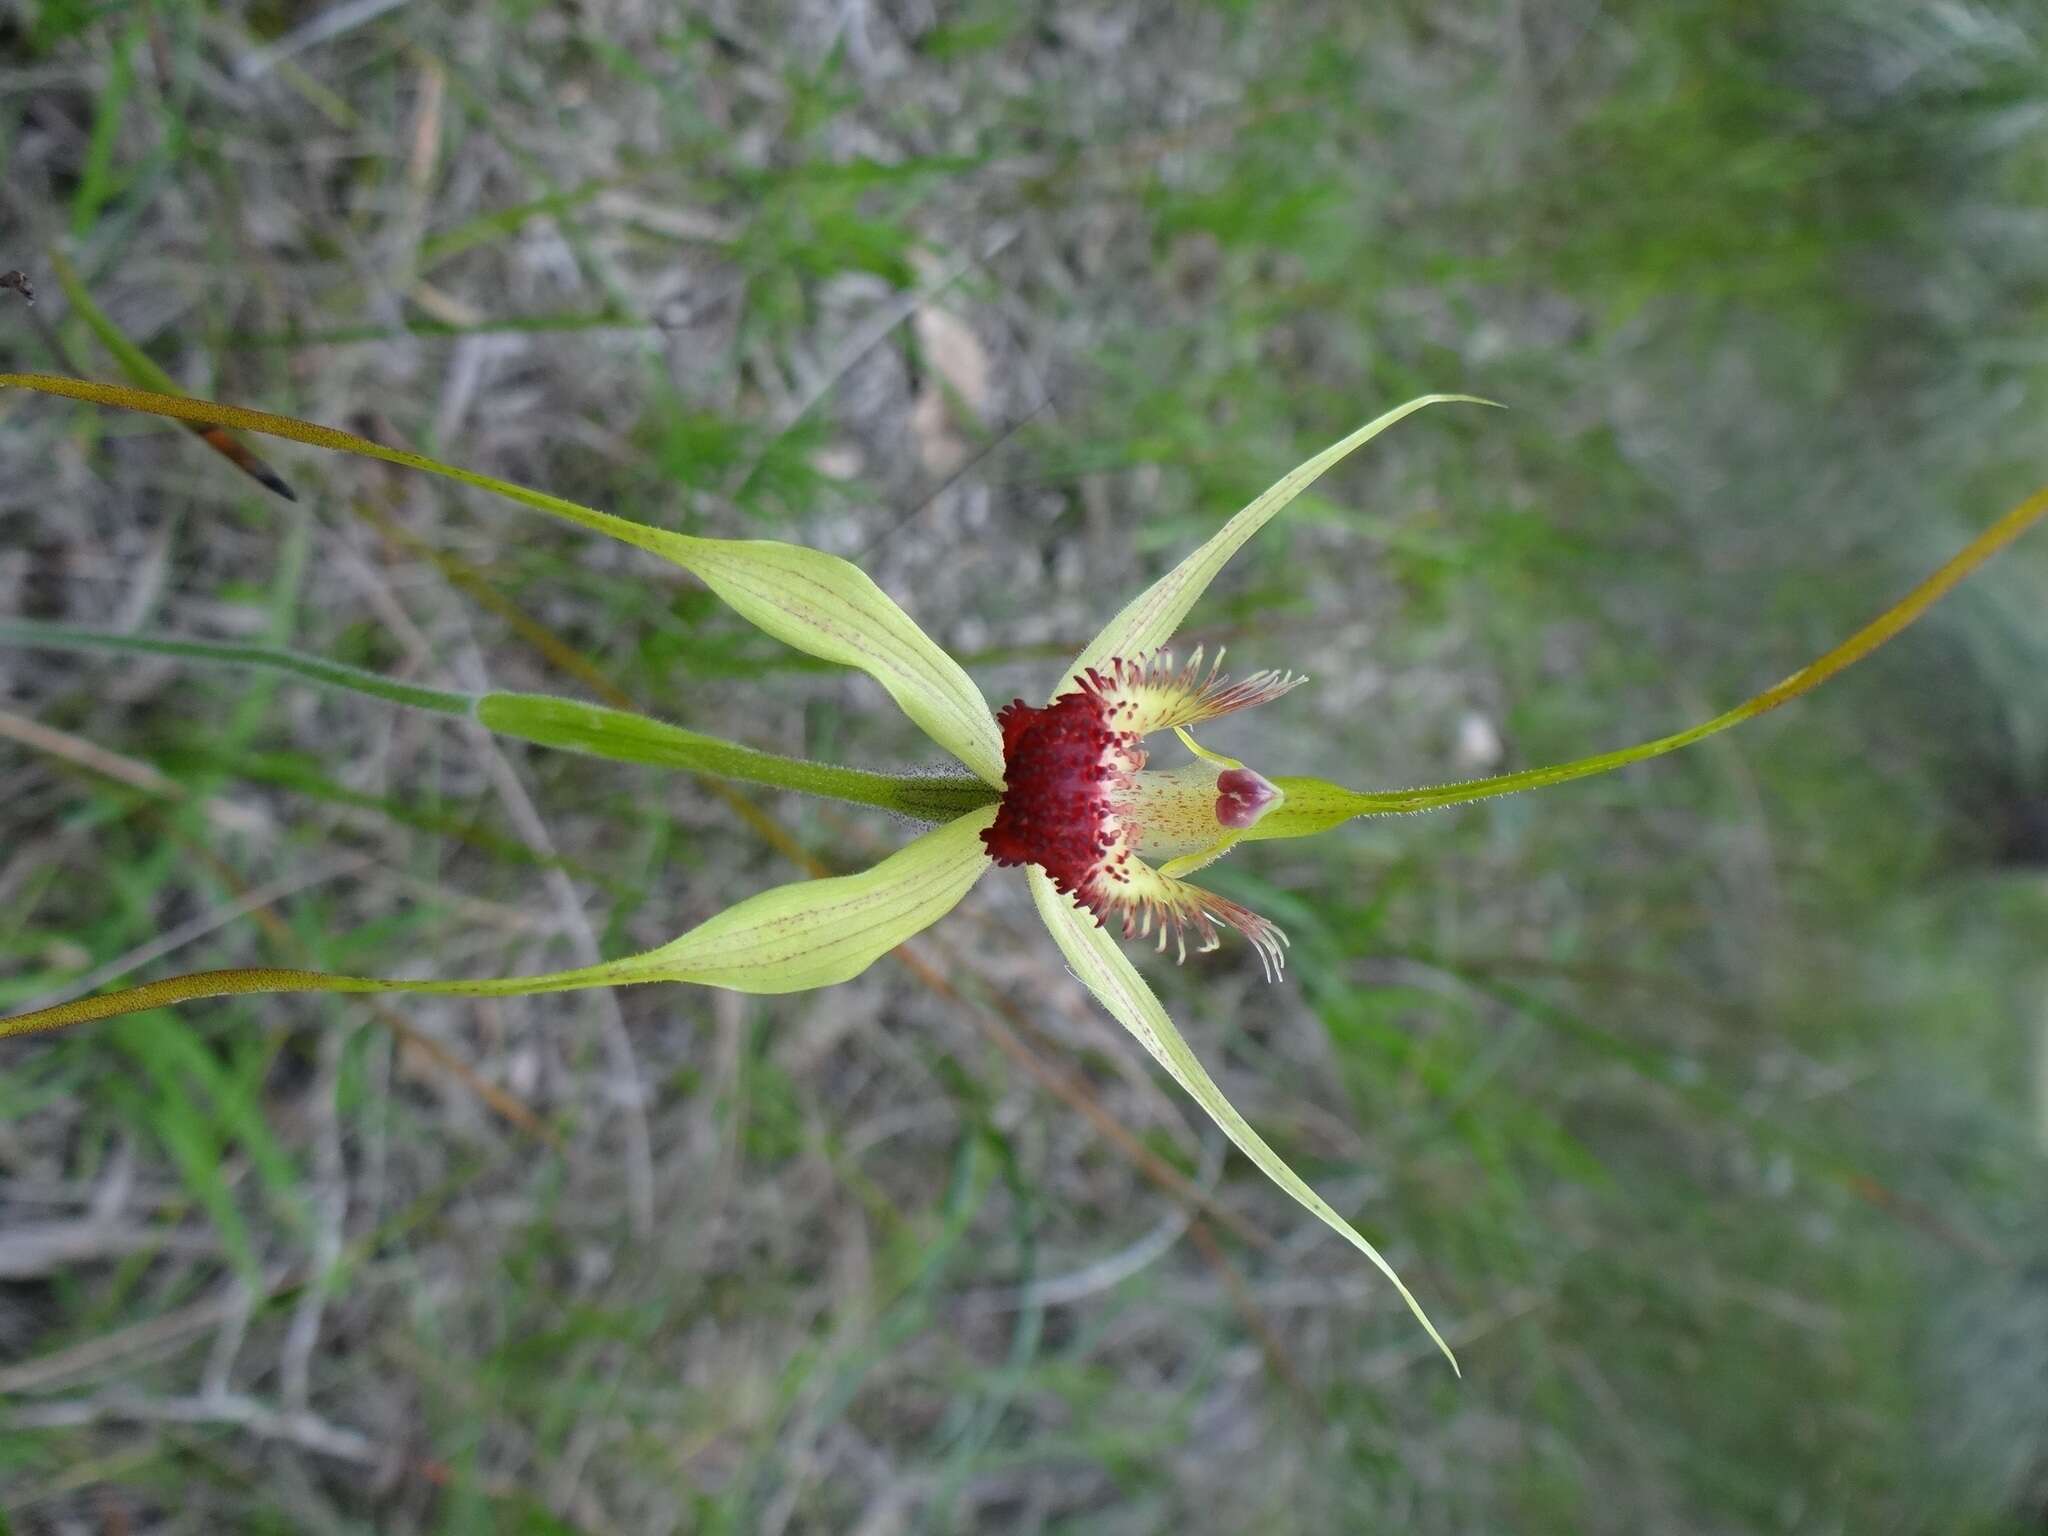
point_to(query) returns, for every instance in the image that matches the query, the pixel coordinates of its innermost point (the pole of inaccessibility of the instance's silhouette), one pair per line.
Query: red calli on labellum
(1079, 802)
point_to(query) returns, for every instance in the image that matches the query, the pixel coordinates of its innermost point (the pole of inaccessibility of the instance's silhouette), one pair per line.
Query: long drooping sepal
(1152, 618)
(568, 724)
(1107, 972)
(789, 939)
(818, 932)
(574, 726)
(1316, 805)
(818, 603)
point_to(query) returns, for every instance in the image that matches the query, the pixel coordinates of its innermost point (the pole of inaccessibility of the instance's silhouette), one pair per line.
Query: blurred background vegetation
(1705, 1105)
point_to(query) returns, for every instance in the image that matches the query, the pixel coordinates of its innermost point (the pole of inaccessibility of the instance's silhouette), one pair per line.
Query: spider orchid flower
(1064, 790)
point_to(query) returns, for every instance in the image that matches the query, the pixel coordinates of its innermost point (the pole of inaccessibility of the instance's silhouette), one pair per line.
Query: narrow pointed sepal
(1317, 805)
(789, 939)
(1105, 970)
(1151, 618)
(817, 932)
(818, 603)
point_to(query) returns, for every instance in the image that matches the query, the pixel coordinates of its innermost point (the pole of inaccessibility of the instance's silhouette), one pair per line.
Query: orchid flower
(1064, 790)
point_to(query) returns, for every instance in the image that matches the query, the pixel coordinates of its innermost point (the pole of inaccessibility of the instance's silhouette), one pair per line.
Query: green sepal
(789, 939)
(1107, 971)
(549, 721)
(1317, 805)
(818, 603)
(1149, 620)
(572, 725)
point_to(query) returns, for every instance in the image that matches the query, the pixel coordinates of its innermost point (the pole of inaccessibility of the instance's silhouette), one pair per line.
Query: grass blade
(270, 658)
(142, 368)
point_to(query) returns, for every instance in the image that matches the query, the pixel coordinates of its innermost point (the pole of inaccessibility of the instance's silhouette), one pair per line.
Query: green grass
(1696, 1101)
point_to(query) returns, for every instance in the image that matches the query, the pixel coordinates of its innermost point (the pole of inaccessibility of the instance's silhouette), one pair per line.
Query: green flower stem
(568, 724)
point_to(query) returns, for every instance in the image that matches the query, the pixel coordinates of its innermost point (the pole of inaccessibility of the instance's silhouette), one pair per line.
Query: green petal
(818, 603)
(1108, 973)
(1151, 619)
(792, 938)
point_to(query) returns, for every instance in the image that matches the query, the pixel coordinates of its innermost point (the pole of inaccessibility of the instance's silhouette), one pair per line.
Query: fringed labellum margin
(1079, 802)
